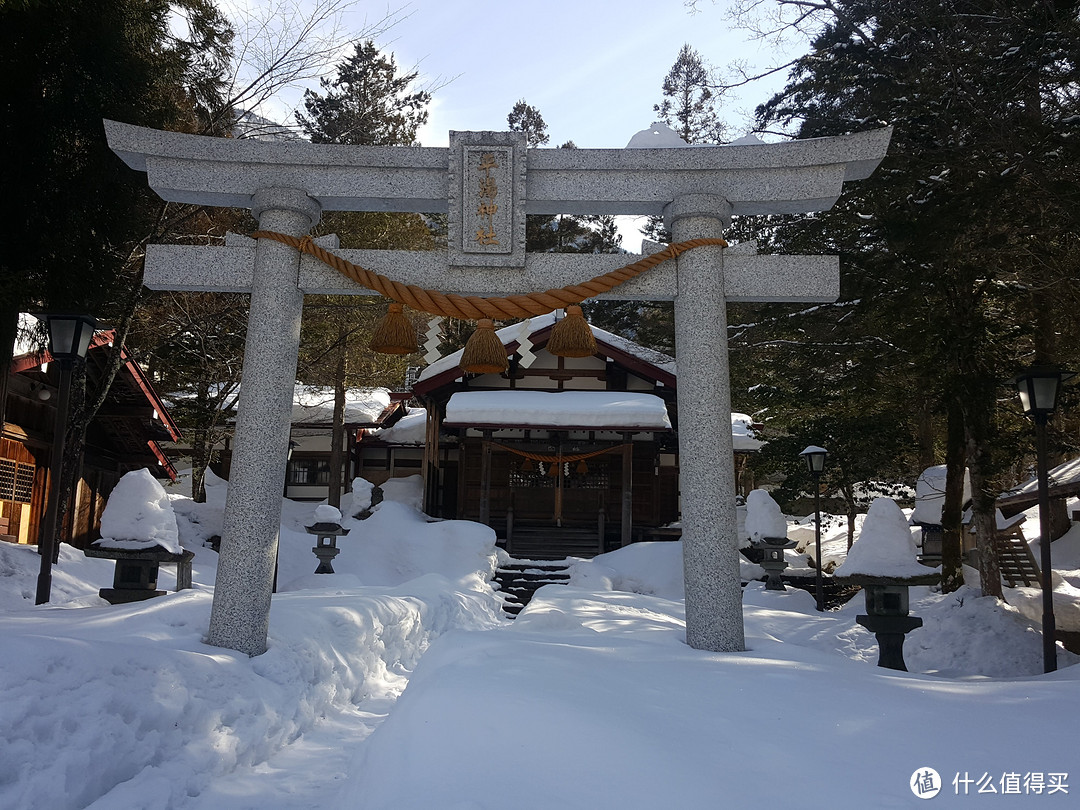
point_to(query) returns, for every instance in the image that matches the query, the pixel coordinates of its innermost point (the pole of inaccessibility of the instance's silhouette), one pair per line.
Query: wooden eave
(632, 363)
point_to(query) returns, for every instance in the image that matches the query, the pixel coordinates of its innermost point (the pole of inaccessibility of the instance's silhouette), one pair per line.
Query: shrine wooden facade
(550, 481)
(123, 436)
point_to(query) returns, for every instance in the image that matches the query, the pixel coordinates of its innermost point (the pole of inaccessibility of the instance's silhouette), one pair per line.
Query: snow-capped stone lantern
(767, 528)
(327, 528)
(883, 561)
(138, 531)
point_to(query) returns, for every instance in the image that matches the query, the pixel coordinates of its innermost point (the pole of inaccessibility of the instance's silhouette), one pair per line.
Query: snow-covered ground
(590, 699)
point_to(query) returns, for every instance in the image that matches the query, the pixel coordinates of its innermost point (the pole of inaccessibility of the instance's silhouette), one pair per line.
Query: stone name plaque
(487, 199)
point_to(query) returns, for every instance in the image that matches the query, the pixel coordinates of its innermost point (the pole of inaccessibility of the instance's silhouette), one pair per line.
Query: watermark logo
(925, 783)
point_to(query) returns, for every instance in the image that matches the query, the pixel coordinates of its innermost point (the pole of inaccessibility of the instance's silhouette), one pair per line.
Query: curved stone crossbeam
(782, 178)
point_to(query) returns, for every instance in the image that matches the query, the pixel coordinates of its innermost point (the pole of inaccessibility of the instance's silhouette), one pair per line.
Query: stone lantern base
(136, 573)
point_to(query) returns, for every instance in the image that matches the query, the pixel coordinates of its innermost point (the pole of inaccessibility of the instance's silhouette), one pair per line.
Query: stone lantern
(772, 560)
(767, 529)
(883, 561)
(327, 529)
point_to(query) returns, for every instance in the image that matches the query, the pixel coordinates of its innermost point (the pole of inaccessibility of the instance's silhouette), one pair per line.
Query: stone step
(519, 579)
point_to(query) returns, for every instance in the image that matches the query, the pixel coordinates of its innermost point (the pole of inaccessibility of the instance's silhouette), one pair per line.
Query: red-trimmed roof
(105, 337)
(163, 460)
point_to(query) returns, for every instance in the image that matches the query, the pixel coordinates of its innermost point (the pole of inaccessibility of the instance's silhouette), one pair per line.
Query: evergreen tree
(526, 118)
(961, 237)
(367, 104)
(689, 104)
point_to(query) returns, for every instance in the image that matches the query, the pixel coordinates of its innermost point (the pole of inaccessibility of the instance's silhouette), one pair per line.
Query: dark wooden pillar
(485, 478)
(627, 489)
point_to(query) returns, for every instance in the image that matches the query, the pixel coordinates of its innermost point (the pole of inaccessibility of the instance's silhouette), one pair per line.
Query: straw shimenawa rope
(475, 307)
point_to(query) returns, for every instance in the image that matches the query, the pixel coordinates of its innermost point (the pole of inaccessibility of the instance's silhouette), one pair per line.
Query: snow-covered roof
(565, 409)
(409, 429)
(930, 495)
(742, 433)
(514, 332)
(1063, 479)
(314, 404)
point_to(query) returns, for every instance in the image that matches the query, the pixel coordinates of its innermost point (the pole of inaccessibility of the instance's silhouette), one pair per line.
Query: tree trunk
(952, 510)
(9, 328)
(337, 439)
(925, 435)
(73, 450)
(984, 519)
(200, 460)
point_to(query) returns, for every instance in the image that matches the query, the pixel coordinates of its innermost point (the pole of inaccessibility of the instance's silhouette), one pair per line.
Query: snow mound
(763, 517)
(885, 546)
(408, 490)
(139, 515)
(325, 513)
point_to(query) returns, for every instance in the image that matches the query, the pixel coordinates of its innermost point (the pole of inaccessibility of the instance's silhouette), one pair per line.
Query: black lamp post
(815, 463)
(1038, 389)
(69, 339)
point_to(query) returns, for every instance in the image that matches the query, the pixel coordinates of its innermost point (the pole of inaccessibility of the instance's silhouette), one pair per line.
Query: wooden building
(123, 436)
(559, 455)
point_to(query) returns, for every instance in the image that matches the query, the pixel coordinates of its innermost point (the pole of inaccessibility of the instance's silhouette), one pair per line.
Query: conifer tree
(368, 103)
(960, 237)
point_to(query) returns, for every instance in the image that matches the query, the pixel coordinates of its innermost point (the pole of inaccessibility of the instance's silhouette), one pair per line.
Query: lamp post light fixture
(1038, 388)
(69, 340)
(815, 464)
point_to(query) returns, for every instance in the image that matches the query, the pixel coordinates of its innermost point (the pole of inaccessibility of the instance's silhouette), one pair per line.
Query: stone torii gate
(487, 182)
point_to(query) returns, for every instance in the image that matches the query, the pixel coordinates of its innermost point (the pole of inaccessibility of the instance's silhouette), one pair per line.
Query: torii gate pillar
(706, 475)
(240, 616)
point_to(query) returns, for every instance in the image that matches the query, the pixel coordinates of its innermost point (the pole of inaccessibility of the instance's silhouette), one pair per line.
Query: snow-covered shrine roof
(511, 335)
(313, 404)
(409, 429)
(564, 410)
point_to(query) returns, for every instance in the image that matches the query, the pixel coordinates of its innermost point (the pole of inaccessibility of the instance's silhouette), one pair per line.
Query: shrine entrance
(486, 183)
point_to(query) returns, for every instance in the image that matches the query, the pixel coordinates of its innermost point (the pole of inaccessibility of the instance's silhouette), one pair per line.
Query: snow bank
(653, 569)
(396, 544)
(123, 707)
(139, 515)
(128, 703)
(621, 713)
(408, 490)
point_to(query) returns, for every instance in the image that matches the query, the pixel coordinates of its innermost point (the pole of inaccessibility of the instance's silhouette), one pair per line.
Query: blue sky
(593, 68)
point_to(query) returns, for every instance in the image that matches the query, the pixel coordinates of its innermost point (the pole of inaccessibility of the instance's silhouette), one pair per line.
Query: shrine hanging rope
(473, 307)
(558, 459)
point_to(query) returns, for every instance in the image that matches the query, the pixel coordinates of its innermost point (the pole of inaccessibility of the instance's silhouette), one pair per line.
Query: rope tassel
(572, 337)
(394, 334)
(484, 353)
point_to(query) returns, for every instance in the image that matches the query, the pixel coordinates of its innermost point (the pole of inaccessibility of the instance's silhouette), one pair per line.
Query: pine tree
(957, 241)
(526, 118)
(689, 104)
(366, 104)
